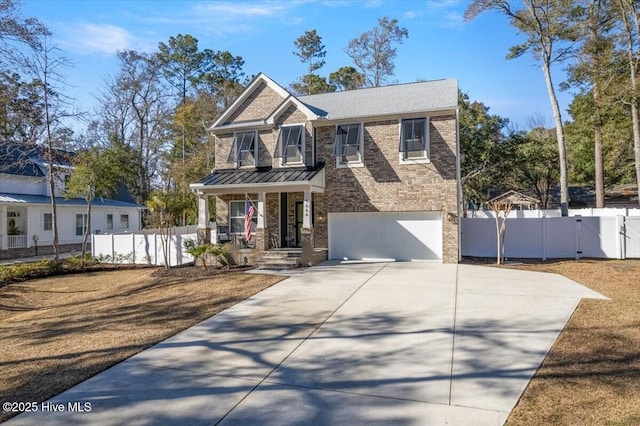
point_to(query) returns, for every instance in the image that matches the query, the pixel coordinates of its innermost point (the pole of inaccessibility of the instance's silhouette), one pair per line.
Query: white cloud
(102, 39)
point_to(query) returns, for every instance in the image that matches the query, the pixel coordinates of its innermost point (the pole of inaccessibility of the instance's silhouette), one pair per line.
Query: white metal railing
(16, 241)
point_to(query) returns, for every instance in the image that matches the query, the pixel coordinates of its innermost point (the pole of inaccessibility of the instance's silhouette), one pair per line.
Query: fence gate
(632, 237)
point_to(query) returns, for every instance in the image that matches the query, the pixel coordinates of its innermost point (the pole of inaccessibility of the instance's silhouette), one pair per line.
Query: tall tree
(544, 24)
(629, 14)
(134, 112)
(15, 28)
(310, 50)
(592, 71)
(46, 66)
(347, 78)
(374, 51)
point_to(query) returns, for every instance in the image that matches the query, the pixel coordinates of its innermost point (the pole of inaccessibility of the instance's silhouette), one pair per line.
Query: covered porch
(288, 207)
(14, 227)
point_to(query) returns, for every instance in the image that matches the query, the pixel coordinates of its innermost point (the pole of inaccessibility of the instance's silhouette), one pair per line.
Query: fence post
(113, 248)
(578, 237)
(133, 248)
(544, 238)
(622, 237)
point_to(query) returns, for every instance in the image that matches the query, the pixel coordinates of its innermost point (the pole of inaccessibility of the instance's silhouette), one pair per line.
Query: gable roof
(435, 95)
(288, 99)
(399, 99)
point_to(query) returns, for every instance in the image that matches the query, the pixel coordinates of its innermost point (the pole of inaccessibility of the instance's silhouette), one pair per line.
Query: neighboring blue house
(25, 203)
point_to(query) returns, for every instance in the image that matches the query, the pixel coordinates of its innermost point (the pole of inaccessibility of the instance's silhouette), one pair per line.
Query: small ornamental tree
(163, 219)
(94, 175)
(501, 226)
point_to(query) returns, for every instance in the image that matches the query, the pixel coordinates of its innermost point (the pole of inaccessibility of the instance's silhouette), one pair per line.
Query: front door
(299, 218)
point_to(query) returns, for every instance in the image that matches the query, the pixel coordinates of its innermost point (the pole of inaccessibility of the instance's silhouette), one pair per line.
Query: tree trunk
(632, 32)
(87, 230)
(562, 153)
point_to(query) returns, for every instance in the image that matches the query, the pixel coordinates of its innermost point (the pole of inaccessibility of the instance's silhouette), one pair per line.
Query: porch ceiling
(290, 179)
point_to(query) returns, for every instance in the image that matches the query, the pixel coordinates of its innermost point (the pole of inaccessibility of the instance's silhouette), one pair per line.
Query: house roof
(251, 180)
(515, 197)
(399, 99)
(43, 199)
(435, 95)
(28, 159)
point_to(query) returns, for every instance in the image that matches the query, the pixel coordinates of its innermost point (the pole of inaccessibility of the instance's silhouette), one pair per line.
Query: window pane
(413, 142)
(47, 222)
(237, 225)
(80, 224)
(109, 221)
(347, 144)
(236, 209)
(124, 221)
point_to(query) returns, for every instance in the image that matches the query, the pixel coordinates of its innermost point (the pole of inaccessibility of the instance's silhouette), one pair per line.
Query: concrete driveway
(344, 343)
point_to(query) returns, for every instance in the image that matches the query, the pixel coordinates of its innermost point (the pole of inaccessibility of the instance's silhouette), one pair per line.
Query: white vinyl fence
(611, 237)
(605, 212)
(145, 247)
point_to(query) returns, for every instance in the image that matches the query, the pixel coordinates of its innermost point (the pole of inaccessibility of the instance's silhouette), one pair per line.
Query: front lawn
(592, 374)
(59, 331)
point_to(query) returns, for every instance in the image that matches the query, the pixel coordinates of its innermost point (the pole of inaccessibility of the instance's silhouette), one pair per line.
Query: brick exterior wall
(259, 105)
(382, 184)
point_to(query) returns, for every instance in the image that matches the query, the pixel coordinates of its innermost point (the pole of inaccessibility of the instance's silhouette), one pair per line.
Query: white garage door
(402, 236)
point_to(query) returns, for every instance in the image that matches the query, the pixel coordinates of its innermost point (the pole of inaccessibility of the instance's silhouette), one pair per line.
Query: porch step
(280, 259)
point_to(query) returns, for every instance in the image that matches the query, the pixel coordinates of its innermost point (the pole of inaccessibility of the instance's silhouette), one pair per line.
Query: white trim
(316, 184)
(291, 100)
(351, 164)
(260, 78)
(427, 135)
(255, 149)
(281, 160)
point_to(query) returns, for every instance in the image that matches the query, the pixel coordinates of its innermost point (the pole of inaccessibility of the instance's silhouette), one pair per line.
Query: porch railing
(16, 241)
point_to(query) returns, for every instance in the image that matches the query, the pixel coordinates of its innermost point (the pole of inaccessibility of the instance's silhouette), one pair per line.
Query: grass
(57, 332)
(592, 374)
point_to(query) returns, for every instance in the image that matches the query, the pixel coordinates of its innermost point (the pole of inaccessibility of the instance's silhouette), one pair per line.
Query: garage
(400, 236)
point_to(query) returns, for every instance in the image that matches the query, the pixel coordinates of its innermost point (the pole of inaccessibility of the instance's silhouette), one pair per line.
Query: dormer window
(348, 146)
(243, 150)
(414, 140)
(290, 147)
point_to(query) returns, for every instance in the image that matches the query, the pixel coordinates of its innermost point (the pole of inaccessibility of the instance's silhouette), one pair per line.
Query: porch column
(306, 233)
(203, 231)
(27, 224)
(262, 231)
(261, 196)
(3, 227)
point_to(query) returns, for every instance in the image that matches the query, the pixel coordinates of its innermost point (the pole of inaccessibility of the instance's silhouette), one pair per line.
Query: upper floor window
(414, 140)
(290, 147)
(348, 147)
(243, 151)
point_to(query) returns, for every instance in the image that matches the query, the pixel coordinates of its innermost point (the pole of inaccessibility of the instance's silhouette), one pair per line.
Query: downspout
(458, 185)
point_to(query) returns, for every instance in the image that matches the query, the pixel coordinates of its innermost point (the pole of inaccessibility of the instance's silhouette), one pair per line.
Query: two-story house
(26, 219)
(363, 174)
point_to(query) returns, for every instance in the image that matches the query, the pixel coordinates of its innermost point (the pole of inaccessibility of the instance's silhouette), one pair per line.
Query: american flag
(249, 210)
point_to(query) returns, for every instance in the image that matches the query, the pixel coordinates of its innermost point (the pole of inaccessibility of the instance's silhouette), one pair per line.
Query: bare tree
(46, 65)
(374, 51)
(134, 112)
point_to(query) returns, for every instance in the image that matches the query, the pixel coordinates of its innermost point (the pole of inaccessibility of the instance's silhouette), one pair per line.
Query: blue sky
(440, 43)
